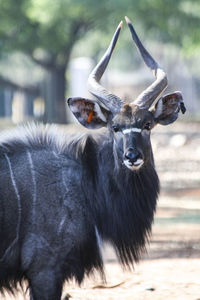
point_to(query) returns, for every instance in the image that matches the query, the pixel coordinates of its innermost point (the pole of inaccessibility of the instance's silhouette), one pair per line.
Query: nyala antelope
(60, 194)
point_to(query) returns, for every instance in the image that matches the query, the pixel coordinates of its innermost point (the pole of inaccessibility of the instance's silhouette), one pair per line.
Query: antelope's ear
(167, 108)
(89, 113)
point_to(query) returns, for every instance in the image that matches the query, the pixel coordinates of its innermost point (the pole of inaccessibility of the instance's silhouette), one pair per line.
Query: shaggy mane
(39, 136)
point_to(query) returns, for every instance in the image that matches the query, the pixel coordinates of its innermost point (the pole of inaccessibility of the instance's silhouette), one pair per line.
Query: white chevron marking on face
(126, 131)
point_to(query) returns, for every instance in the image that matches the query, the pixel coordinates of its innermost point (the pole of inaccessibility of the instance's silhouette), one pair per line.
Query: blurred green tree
(46, 31)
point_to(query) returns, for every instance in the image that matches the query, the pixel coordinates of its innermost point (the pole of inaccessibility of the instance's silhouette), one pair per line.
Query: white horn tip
(120, 24)
(127, 20)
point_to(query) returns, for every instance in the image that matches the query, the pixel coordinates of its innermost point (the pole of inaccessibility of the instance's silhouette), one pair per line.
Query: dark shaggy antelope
(59, 194)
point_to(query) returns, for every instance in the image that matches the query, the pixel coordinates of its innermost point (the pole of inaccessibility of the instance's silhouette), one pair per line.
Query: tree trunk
(54, 94)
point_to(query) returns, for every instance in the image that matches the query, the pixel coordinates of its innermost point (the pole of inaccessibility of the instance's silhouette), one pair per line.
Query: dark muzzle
(133, 156)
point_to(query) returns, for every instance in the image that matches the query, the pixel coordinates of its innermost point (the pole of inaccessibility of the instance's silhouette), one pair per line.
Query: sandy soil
(170, 270)
(158, 280)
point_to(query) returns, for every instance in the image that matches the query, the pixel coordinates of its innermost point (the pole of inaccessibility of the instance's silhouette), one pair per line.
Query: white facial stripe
(126, 131)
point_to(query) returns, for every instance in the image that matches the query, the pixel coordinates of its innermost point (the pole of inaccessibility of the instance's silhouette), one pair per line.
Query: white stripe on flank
(125, 131)
(34, 185)
(18, 204)
(61, 225)
(98, 237)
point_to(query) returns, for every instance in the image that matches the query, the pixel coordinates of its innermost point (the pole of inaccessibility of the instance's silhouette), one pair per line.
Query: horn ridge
(147, 97)
(112, 102)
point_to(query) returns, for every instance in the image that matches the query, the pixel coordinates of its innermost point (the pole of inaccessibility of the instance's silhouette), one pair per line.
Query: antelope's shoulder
(33, 136)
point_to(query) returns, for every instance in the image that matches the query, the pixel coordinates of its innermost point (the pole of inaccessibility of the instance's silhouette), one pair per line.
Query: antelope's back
(42, 210)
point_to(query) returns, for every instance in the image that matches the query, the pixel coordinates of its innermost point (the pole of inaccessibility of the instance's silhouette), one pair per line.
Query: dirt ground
(171, 267)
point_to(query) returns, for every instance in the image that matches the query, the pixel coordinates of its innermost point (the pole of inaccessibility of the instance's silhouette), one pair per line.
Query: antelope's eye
(116, 128)
(147, 126)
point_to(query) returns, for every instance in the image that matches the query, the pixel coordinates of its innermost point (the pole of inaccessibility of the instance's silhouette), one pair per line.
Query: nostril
(133, 155)
(130, 155)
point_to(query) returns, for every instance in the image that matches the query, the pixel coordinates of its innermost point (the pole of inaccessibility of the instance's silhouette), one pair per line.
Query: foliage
(47, 30)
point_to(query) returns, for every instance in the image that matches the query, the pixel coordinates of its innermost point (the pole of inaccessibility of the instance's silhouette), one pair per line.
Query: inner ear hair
(167, 108)
(157, 109)
(89, 113)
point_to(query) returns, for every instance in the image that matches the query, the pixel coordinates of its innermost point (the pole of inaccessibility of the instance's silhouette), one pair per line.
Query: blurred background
(47, 50)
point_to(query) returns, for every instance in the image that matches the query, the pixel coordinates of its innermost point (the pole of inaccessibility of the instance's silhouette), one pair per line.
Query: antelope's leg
(45, 285)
